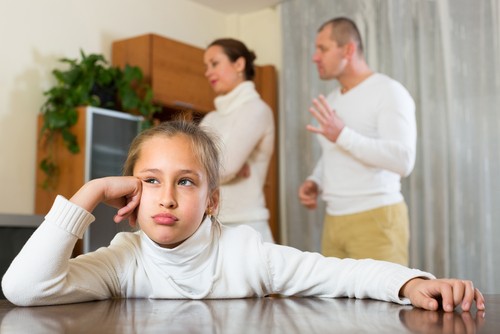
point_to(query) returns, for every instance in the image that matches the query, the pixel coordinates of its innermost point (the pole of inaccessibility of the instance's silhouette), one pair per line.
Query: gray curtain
(446, 54)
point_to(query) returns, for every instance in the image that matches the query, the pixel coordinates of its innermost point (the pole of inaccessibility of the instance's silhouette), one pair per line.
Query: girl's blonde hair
(204, 144)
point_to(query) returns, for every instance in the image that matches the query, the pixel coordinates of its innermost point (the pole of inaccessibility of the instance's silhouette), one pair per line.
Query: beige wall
(261, 31)
(35, 34)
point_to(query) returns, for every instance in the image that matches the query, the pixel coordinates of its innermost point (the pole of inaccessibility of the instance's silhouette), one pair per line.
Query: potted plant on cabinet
(89, 81)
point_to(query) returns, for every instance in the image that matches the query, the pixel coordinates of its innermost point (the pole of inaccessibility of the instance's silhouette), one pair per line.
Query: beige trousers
(381, 234)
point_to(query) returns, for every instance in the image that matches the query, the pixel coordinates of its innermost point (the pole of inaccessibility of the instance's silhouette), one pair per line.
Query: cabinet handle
(183, 104)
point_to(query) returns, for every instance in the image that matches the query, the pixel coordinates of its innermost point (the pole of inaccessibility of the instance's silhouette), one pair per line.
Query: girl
(181, 251)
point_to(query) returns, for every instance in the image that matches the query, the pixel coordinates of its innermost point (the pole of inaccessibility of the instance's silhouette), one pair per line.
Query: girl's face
(222, 74)
(175, 192)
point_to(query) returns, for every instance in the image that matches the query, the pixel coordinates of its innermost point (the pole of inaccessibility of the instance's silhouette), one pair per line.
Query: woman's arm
(254, 124)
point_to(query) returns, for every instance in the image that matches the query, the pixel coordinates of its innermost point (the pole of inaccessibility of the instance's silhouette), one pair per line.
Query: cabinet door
(267, 85)
(178, 76)
(109, 134)
(71, 166)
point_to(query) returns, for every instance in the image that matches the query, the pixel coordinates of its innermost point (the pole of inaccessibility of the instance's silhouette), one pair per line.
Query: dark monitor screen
(12, 240)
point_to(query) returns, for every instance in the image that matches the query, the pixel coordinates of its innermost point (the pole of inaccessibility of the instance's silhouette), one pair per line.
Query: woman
(245, 125)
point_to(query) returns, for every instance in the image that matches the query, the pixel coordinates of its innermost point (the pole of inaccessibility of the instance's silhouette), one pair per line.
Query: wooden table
(253, 315)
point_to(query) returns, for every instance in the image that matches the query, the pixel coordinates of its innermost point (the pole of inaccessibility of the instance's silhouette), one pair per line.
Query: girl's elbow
(19, 295)
(23, 292)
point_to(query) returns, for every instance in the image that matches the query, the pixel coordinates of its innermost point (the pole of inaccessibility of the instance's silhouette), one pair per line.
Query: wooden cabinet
(174, 70)
(267, 85)
(176, 74)
(104, 137)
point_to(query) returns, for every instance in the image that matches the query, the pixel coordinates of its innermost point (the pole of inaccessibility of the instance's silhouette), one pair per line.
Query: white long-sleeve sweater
(245, 125)
(215, 262)
(377, 147)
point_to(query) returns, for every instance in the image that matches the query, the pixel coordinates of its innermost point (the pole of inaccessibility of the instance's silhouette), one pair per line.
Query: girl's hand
(121, 192)
(428, 294)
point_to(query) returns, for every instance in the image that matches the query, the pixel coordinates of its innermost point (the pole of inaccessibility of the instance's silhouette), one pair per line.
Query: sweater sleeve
(43, 273)
(395, 147)
(317, 174)
(297, 273)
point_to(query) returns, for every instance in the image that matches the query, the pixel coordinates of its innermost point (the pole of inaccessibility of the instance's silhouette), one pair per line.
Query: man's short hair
(344, 30)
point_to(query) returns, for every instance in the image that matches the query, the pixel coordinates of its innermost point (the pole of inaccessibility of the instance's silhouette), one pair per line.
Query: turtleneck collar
(189, 268)
(191, 255)
(241, 94)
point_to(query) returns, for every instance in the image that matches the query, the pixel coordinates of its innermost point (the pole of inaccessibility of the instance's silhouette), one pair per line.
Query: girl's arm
(310, 274)
(121, 192)
(43, 273)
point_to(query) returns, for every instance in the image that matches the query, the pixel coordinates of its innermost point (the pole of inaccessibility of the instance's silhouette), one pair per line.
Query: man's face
(330, 59)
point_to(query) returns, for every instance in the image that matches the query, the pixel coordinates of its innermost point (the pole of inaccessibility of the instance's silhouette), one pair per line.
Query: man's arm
(394, 150)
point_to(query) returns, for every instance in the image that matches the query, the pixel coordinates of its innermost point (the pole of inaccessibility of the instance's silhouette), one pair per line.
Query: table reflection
(426, 322)
(255, 315)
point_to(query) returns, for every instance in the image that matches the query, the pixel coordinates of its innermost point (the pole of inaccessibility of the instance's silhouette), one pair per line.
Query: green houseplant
(89, 81)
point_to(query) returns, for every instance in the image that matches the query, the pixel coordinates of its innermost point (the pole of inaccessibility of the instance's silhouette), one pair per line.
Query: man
(367, 132)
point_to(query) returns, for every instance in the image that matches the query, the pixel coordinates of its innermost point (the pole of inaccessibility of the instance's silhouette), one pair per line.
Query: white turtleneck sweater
(245, 125)
(215, 262)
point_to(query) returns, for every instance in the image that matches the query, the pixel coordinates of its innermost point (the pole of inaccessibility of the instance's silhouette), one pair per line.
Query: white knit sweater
(245, 125)
(363, 169)
(215, 262)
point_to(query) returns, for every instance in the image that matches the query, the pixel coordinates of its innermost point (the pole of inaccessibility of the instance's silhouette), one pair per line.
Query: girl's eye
(151, 180)
(185, 182)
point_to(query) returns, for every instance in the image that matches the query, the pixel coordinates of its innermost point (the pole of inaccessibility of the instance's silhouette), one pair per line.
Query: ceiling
(238, 6)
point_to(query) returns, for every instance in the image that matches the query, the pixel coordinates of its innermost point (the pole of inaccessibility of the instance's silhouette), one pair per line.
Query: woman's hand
(244, 171)
(120, 192)
(428, 294)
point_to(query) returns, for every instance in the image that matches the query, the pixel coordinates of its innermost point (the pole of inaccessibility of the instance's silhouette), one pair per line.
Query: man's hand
(308, 194)
(428, 294)
(330, 125)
